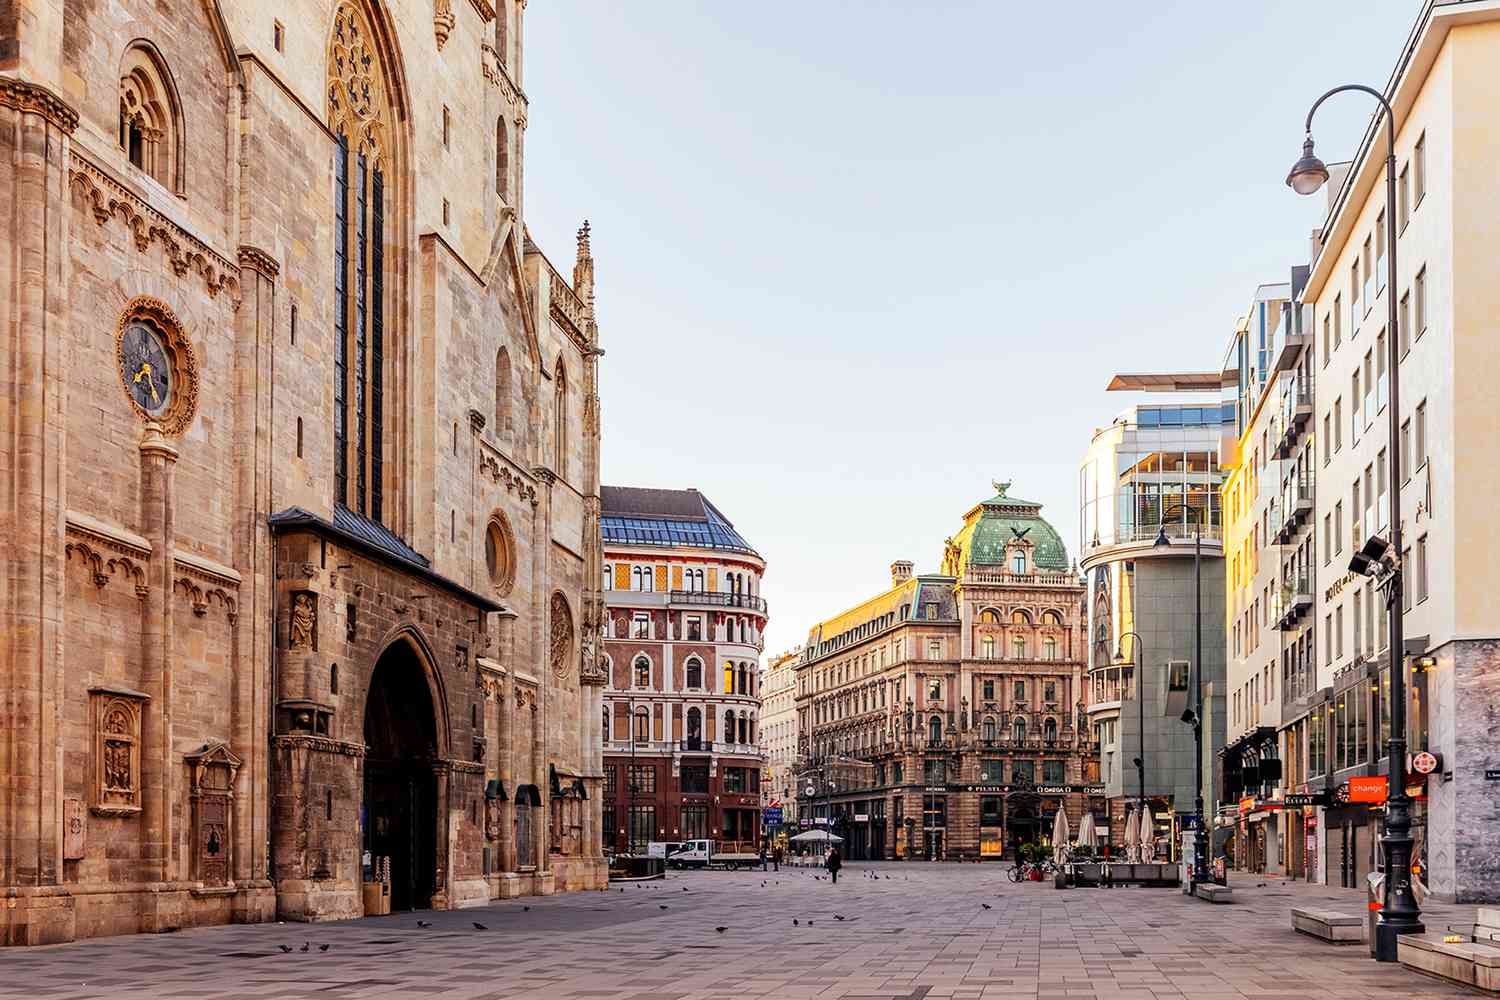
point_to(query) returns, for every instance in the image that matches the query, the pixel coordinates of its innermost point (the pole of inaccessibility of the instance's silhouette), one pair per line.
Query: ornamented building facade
(946, 717)
(778, 733)
(301, 568)
(683, 633)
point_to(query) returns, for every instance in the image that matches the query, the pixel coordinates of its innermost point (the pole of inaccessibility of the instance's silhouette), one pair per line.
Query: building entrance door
(399, 817)
(932, 845)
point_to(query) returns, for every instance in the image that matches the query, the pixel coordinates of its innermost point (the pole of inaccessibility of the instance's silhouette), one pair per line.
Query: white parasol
(1087, 833)
(817, 836)
(1128, 838)
(1147, 835)
(1060, 834)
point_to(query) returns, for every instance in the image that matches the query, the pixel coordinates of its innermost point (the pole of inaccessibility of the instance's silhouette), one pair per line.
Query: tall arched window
(360, 116)
(151, 117)
(744, 728)
(729, 726)
(987, 730)
(502, 391)
(1049, 730)
(1018, 647)
(642, 672)
(694, 725)
(935, 729)
(502, 158)
(1018, 561)
(1049, 648)
(1018, 730)
(694, 672)
(604, 725)
(560, 422)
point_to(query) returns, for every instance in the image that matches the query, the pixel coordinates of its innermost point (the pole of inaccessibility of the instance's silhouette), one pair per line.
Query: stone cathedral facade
(299, 497)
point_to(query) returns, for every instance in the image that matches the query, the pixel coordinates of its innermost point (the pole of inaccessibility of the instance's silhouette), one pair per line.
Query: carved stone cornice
(476, 420)
(36, 99)
(201, 598)
(485, 11)
(322, 744)
(500, 470)
(184, 251)
(258, 260)
(544, 475)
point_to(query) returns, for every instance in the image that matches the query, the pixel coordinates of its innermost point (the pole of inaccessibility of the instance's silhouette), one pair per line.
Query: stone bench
(1467, 963)
(1335, 928)
(1211, 892)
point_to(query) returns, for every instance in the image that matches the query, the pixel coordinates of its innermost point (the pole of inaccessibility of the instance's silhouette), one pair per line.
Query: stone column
(444, 874)
(35, 130)
(158, 465)
(541, 542)
(254, 632)
(507, 738)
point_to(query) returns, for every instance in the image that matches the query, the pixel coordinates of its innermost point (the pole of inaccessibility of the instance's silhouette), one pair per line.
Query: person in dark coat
(776, 858)
(833, 863)
(762, 857)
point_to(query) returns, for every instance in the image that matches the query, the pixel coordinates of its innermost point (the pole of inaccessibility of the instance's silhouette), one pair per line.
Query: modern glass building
(1153, 474)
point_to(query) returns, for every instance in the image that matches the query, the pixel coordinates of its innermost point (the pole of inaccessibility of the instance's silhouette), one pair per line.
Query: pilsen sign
(1035, 789)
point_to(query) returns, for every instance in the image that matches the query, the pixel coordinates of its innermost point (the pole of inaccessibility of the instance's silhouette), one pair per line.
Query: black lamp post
(1140, 701)
(1200, 839)
(1399, 913)
(635, 714)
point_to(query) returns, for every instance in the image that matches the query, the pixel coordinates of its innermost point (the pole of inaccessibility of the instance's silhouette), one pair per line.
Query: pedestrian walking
(833, 863)
(762, 857)
(776, 856)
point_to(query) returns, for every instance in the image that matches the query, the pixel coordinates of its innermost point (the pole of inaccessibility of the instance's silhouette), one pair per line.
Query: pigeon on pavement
(985, 905)
(322, 947)
(284, 948)
(424, 923)
(307, 946)
(479, 927)
(721, 930)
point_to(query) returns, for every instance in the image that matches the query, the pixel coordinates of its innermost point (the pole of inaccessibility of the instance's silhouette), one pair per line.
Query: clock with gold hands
(146, 369)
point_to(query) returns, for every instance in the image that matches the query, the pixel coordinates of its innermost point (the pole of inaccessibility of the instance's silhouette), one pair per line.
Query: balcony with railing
(1294, 601)
(719, 599)
(1293, 333)
(1294, 412)
(1040, 578)
(1294, 505)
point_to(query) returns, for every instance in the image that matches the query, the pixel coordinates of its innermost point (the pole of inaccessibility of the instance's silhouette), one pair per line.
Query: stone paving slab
(912, 932)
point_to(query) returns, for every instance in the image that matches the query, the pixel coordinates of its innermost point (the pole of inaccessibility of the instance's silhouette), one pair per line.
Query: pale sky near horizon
(857, 260)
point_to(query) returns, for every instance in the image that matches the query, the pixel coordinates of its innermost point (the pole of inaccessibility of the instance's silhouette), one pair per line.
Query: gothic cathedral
(299, 488)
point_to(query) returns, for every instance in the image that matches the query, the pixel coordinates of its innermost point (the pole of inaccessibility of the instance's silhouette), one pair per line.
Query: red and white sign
(1423, 762)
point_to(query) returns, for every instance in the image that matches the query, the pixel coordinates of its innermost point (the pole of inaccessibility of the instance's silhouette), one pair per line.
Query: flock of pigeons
(796, 922)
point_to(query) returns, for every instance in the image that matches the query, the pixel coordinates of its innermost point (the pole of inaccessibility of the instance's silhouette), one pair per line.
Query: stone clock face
(146, 368)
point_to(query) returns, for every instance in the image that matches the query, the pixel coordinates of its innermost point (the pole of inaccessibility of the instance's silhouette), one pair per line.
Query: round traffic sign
(1423, 762)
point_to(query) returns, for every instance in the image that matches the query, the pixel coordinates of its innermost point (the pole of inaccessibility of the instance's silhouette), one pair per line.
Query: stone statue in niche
(117, 751)
(491, 819)
(304, 630)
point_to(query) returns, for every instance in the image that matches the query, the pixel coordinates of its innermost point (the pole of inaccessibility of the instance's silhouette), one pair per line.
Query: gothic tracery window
(150, 119)
(502, 391)
(359, 115)
(560, 422)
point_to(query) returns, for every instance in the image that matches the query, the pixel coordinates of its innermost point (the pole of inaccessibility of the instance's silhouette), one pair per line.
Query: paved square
(914, 931)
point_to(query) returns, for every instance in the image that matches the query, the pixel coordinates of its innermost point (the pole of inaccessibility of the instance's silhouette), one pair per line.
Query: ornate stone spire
(583, 268)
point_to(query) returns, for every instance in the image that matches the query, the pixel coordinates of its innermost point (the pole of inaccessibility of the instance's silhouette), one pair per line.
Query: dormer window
(1018, 561)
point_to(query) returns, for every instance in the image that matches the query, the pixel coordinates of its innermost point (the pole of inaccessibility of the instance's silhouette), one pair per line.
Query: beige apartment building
(1447, 143)
(778, 733)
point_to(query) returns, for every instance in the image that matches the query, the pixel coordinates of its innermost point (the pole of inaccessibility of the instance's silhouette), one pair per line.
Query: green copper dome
(995, 526)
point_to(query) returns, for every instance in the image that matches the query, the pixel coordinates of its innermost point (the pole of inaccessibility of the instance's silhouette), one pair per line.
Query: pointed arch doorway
(400, 793)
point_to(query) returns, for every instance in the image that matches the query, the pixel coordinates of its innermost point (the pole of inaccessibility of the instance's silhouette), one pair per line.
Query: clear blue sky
(857, 259)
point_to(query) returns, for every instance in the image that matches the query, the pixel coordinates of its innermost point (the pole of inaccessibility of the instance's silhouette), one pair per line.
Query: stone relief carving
(304, 622)
(442, 21)
(562, 634)
(117, 737)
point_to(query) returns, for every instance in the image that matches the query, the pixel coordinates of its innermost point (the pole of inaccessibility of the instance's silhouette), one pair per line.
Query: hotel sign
(1336, 588)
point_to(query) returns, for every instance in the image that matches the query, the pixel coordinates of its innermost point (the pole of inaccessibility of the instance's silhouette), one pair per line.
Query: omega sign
(1423, 762)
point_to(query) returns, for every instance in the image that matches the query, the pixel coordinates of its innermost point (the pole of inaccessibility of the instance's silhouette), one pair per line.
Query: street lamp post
(1140, 701)
(1200, 837)
(635, 714)
(1399, 913)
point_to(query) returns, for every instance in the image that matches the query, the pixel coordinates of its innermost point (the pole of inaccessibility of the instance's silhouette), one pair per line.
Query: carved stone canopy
(213, 768)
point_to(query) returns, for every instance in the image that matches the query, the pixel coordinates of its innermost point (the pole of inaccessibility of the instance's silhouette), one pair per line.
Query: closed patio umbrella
(1060, 834)
(1087, 832)
(1147, 834)
(1128, 839)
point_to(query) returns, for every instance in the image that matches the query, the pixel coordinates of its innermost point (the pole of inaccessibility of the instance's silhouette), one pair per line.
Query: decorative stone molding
(356, 83)
(442, 21)
(476, 421)
(205, 569)
(184, 252)
(213, 770)
(561, 626)
(497, 76)
(484, 10)
(321, 744)
(103, 568)
(500, 471)
(258, 260)
(201, 598)
(36, 99)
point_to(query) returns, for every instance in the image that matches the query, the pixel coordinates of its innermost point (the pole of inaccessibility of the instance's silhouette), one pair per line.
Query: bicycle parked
(1021, 870)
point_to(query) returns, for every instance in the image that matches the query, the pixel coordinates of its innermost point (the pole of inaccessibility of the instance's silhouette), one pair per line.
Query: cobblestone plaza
(918, 930)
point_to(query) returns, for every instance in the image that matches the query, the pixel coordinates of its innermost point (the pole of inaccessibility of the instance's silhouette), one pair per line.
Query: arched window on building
(935, 729)
(1049, 730)
(729, 732)
(744, 729)
(1018, 561)
(642, 726)
(560, 422)
(694, 672)
(1051, 618)
(1019, 617)
(1018, 647)
(150, 117)
(694, 727)
(502, 158)
(989, 616)
(1049, 648)
(360, 116)
(604, 725)
(987, 730)
(1018, 729)
(642, 672)
(502, 391)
